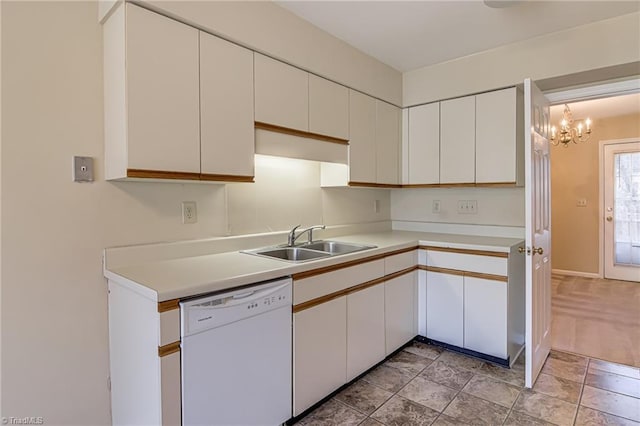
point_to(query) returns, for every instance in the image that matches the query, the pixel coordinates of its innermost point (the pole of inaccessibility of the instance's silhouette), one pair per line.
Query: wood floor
(597, 318)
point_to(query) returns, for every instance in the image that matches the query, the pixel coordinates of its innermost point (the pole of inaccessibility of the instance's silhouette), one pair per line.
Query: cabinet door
(282, 94)
(328, 108)
(457, 140)
(485, 316)
(496, 136)
(226, 107)
(445, 295)
(362, 138)
(387, 143)
(365, 330)
(319, 352)
(400, 310)
(163, 107)
(424, 144)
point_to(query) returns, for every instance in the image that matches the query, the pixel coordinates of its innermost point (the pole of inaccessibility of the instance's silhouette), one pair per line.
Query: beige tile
(558, 387)
(476, 411)
(589, 417)
(364, 396)
(445, 420)
(333, 413)
(568, 357)
(428, 393)
(612, 403)
(623, 370)
(370, 422)
(446, 374)
(613, 382)
(390, 379)
(424, 350)
(565, 369)
(401, 411)
(516, 418)
(492, 390)
(513, 377)
(460, 361)
(545, 407)
(409, 362)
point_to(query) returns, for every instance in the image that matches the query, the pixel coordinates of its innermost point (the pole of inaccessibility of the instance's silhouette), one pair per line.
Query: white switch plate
(189, 212)
(467, 206)
(436, 206)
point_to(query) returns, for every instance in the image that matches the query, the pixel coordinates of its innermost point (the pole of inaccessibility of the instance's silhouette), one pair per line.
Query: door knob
(609, 218)
(538, 250)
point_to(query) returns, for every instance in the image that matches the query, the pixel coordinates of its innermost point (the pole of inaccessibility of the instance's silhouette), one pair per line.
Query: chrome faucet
(291, 239)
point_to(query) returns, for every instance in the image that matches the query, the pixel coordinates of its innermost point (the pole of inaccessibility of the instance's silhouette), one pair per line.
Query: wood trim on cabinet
(168, 349)
(226, 178)
(358, 287)
(325, 269)
(374, 185)
(161, 174)
(481, 275)
(466, 251)
(301, 133)
(421, 185)
(457, 185)
(496, 185)
(168, 305)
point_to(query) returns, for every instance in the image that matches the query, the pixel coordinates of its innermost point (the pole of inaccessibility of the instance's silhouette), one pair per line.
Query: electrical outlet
(436, 206)
(582, 202)
(376, 206)
(82, 168)
(467, 206)
(189, 212)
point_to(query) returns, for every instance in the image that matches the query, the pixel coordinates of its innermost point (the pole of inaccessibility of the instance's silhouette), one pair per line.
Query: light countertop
(189, 276)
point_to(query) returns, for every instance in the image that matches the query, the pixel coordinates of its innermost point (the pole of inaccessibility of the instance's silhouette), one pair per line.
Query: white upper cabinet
(424, 144)
(282, 94)
(178, 102)
(362, 148)
(162, 89)
(457, 140)
(387, 138)
(328, 108)
(226, 113)
(499, 137)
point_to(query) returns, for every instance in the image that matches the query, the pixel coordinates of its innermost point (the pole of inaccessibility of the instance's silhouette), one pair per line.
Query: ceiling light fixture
(568, 132)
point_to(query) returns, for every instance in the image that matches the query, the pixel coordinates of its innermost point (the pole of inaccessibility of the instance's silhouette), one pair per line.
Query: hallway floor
(424, 384)
(597, 318)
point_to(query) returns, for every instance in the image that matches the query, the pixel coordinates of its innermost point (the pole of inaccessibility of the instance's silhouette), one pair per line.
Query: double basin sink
(310, 251)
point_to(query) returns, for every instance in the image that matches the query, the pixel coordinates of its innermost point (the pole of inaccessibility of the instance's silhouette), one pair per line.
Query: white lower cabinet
(320, 352)
(365, 329)
(445, 301)
(485, 316)
(400, 310)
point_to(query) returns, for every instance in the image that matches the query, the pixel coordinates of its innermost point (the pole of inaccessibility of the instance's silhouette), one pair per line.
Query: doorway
(620, 183)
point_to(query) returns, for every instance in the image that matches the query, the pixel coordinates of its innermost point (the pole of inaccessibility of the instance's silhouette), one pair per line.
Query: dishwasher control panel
(223, 308)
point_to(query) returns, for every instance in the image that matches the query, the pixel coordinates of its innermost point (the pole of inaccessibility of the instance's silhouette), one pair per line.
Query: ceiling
(412, 34)
(599, 108)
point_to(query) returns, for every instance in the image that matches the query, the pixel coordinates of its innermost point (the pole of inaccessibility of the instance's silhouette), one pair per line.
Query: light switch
(82, 169)
(582, 202)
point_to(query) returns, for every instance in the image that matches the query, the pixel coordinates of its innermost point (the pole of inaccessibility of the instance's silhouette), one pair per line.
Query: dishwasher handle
(243, 295)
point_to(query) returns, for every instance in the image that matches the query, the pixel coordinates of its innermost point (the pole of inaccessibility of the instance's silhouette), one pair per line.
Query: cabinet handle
(538, 250)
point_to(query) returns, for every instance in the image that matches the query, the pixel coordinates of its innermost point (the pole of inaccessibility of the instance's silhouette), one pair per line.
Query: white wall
(496, 206)
(600, 44)
(266, 27)
(54, 304)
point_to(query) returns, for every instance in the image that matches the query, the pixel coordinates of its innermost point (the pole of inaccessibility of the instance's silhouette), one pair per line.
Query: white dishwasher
(236, 356)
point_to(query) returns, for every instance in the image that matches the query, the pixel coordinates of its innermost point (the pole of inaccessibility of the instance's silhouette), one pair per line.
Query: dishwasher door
(236, 357)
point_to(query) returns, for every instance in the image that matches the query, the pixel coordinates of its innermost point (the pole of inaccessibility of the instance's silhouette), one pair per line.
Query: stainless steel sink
(292, 254)
(336, 247)
(310, 251)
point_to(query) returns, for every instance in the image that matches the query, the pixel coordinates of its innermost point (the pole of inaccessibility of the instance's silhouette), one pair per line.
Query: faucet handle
(291, 238)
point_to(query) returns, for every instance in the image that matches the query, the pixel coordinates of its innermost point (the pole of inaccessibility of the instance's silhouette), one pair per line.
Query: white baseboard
(576, 273)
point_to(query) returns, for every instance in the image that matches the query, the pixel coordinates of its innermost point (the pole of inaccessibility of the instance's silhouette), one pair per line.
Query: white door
(538, 231)
(622, 210)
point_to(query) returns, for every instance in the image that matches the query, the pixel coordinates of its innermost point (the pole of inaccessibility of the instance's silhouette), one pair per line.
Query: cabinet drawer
(320, 285)
(401, 261)
(468, 262)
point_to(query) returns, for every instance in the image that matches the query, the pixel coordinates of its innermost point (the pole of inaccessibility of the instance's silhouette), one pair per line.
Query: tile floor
(424, 385)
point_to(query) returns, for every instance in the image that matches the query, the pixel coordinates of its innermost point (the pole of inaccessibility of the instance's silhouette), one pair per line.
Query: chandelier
(568, 131)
